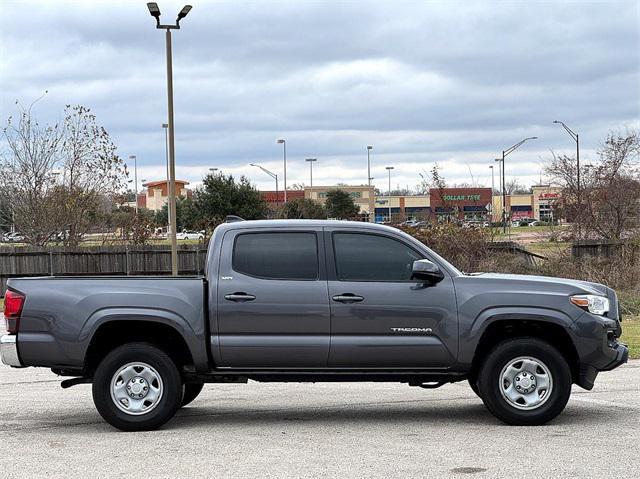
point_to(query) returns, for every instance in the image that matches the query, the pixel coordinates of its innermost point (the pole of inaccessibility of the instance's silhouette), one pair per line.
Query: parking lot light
(154, 10)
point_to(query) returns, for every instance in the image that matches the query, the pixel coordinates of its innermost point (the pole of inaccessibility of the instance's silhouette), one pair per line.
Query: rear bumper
(9, 350)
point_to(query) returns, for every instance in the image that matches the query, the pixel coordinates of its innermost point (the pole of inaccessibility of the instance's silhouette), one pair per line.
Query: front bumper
(588, 373)
(622, 356)
(9, 350)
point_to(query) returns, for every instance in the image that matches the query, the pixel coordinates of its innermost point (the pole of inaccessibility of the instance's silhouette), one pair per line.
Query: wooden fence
(98, 260)
(606, 249)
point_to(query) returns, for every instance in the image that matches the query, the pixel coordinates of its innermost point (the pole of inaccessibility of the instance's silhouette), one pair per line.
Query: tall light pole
(389, 168)
(504, 190)
(372, 201)
(155, 13)
(213, 171)
(272, 175)
(493, 189)
(284, 155)
(311, 161)
(369, 148)
(166, 151)
(135, 179)
(492, 182)
(576, 138)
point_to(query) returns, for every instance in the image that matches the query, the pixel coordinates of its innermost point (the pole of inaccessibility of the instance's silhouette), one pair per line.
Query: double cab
(308, 301)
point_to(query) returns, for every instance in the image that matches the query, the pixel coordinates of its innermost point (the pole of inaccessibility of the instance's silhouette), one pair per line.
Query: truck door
(380, 318)
(273, 307)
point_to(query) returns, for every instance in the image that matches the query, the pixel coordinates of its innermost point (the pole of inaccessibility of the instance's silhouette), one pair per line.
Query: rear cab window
(277, 255)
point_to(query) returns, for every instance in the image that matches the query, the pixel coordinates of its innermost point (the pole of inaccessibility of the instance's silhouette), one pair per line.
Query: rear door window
(286, 255)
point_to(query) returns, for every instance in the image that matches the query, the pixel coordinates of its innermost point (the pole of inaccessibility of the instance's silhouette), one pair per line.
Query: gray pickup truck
(308, 301)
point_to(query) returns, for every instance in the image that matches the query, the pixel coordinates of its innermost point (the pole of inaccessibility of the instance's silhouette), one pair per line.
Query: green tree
(222, 195)
(339, 204)
(302, 208)
(187, 216)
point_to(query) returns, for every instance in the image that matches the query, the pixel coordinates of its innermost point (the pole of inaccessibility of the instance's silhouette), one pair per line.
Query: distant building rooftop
(151, 184)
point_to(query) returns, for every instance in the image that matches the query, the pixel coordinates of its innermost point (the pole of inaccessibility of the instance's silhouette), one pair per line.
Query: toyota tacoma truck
(308, 301)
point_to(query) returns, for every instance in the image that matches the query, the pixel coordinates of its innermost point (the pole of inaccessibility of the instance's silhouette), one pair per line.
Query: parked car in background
(535, 223)
(14, 237)
(190, 235)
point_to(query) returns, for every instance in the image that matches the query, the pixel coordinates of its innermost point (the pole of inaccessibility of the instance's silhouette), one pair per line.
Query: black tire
(489, 383)
(191, 391)
(170, 387)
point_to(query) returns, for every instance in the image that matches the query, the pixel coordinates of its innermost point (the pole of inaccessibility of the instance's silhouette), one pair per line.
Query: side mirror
(425, 270)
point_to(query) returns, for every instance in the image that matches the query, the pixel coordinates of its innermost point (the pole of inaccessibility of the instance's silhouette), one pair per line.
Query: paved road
(319, 430)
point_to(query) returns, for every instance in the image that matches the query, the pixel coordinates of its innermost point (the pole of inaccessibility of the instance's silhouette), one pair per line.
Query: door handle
(239, 297)
(347, 298)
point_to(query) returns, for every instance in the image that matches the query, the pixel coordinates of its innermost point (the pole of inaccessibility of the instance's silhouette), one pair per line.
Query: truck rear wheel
(137, 387)
(191, 391)
(525, 381)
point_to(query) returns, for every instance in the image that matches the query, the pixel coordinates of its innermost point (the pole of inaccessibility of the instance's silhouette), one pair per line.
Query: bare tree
(514, 187)
(58, 178)
(91, 172)
(607, 204)
(28, 181)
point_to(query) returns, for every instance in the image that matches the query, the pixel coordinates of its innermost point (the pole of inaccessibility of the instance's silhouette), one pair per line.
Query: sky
(448, 82)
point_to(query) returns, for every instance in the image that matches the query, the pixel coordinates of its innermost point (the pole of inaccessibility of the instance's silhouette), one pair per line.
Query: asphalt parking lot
(319, 430)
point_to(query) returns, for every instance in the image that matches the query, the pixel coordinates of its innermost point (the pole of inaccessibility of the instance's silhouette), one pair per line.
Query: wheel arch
(552, 328)
(117, 331)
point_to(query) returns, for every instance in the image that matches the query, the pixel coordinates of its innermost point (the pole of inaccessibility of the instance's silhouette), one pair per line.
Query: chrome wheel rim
(525, 383)
(136, 388)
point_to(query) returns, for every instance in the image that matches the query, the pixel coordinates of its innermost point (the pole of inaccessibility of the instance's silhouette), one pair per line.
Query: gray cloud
(453, 82)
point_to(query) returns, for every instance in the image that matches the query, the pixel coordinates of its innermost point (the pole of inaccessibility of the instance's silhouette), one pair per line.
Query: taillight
(13, 303)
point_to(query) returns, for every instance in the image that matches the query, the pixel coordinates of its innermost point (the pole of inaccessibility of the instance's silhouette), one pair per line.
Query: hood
(548, 281)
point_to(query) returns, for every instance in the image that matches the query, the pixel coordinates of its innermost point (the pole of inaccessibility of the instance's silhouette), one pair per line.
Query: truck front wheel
(137, 387)
(525, 381)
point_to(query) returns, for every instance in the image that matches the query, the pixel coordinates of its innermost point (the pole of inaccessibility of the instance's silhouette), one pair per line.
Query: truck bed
(61, 314)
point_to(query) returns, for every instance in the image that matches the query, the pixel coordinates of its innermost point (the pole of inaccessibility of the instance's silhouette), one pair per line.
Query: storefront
(456, 204)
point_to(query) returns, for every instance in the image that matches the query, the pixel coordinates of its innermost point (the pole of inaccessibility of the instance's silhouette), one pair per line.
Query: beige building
(363, 196)
(156, 194)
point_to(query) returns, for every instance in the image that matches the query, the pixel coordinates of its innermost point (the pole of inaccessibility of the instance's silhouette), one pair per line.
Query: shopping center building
(443, 204)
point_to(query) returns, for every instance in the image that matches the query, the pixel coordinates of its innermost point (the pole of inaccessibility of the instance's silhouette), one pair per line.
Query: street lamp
(271, 174)
(155, 13)
(284, 154)
(213, 170)
(135, 179)
(389, 168)
(311, 160)
(576, 138)
(504, 191)
(492, 192)
(369, 148)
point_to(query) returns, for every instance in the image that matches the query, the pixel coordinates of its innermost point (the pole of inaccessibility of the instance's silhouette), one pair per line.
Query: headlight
(590, 302)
